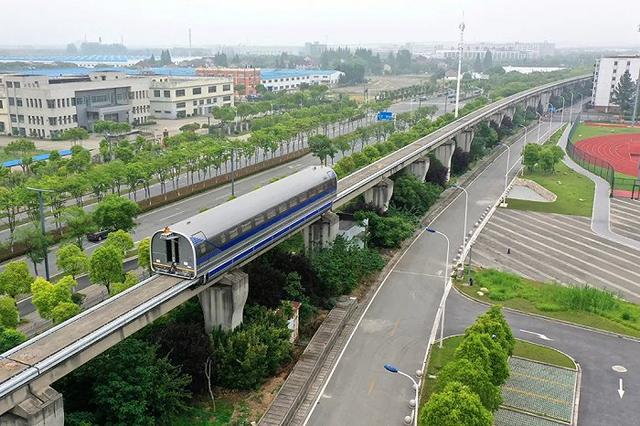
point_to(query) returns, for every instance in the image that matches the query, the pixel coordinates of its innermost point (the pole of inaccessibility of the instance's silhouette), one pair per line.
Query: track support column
(223, 303)
(42, 408)
(322, 232)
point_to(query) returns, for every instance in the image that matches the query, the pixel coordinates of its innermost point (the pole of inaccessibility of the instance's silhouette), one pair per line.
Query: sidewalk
(600, 217)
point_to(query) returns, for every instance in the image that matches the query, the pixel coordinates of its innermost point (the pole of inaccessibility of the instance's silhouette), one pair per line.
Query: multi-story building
(174, 97)
(5, 126)
(248, 77)
(606, 76)
(43, 107)
(276, 80)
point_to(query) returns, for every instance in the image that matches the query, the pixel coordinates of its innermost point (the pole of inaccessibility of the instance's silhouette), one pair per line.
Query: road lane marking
(538, 335)
(394, 329)
(422, 274)
(372, 385)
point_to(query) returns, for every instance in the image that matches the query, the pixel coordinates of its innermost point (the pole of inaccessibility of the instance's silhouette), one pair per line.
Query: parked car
(98, 235)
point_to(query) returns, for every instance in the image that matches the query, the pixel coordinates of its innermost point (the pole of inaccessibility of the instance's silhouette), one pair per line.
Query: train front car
(228, 235)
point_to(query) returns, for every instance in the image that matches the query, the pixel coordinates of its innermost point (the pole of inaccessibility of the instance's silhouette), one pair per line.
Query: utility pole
(42, 228)
(460, 48)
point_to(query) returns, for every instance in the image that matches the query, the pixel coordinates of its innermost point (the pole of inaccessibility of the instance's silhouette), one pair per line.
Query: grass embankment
(441, 356)
(574, 192)
(580, 305)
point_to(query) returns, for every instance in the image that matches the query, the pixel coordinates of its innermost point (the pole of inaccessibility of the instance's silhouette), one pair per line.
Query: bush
(9, 315)
(455, 405)
(412, 196)
(10, 338)
(482, 350)
(471, 375)
(387, 231)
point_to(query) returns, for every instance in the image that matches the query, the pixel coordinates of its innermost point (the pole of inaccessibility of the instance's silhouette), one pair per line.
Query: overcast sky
(292, 22)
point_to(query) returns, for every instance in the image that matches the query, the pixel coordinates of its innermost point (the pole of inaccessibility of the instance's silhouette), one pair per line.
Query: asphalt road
(397, 324)
(596, 353)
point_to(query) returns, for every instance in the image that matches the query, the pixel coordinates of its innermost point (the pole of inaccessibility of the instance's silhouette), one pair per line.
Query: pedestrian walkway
(625, 217)
(560, 248)
(600, 217)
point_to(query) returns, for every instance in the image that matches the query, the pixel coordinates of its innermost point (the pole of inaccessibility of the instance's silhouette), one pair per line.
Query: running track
(621, 151)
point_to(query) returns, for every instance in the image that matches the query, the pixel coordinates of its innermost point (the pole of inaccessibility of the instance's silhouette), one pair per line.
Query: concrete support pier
(444, 153)
(223, 303)
(42, 408)
(419, 168)
(464, 139)
(322, 232)
(380, 195)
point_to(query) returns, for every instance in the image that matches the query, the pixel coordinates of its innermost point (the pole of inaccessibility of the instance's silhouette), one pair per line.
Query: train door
(172, 249)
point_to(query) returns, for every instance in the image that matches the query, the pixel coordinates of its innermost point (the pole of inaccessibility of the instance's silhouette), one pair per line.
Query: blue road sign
(552, 108)
(385, 116)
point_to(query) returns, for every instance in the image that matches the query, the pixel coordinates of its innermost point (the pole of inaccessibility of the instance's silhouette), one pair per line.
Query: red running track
(621, 151)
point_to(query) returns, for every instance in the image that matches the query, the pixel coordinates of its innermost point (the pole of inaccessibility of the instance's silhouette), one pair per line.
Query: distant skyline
(156, 23)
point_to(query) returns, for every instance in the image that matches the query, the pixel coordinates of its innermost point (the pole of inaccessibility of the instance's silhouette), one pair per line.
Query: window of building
(19, 102)
(156, 93)
(180, 105)
(167, 94)
(226, 87)
(12, 101)
(39, 103)
(9, 84)
(51, 103)
(226, 98)
(14, 118)
(73, 101)
(196, 90)
(212, 89)
(195, 103)
(16, 84)
(20, 118)
(1, 104)
(179, 93)
(99, 98)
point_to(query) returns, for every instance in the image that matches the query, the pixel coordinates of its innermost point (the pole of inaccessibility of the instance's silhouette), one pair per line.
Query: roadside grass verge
(574, 191)
(441, 356)
(587, 306)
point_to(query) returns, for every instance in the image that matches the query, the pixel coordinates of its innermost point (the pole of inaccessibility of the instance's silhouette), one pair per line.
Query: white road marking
(620, 390)
(162, 219)
(540, 336)
(619, 369)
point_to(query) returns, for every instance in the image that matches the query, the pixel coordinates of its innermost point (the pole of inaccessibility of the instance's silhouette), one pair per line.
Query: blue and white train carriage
(214, 241)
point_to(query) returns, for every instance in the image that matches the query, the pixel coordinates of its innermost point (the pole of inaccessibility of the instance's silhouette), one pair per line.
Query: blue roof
(271, 73)
(39, 157)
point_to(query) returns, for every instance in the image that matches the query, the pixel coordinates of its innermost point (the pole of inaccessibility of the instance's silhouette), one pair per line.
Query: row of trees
(467, 390)
(544, 157)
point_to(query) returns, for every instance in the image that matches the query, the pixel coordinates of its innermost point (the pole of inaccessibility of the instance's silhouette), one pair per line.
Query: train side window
(258, 220)
(246, 226)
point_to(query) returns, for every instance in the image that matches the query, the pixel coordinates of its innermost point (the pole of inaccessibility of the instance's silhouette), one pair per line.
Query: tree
(64, 311)
(220, 59)
(105, 266)
(531, 155)
(78, 223)
(144, 254)
(10, 338)
(494, 323)
(35, 242)
(456, 405)
(47, 296)
(413, 196)
(20, 147)
(322, 147)
(9, 314)
(240, 88)
(75, 134)
(72, 260)
(465, 372)
(387, 231)
(130, 279)
(15, 279)
(225, 114)
(121, 240)
(624, 93)
(115, 212)
(550, 156)
(483, 350)
(10, 203)
(128, 384)
(487, 63)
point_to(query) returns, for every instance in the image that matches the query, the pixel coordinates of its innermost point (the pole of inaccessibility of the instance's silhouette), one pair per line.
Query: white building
(179, 97)
(606, 76)
(276, 80)
(43, 107)
(5, 124)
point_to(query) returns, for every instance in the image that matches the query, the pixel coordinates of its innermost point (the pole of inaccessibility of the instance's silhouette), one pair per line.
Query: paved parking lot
(552, 247)
(625, 217)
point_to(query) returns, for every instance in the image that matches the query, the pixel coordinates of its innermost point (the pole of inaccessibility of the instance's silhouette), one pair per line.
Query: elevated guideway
(27, 370)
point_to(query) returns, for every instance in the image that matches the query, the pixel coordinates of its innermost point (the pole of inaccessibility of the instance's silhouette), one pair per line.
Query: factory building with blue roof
(276, 80)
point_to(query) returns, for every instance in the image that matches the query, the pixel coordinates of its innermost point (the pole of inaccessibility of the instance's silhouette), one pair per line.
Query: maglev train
(213, 241)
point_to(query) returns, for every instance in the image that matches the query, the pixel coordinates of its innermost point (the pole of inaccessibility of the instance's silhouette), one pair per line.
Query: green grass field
(574, 191)
(580, 305)
(584, 131)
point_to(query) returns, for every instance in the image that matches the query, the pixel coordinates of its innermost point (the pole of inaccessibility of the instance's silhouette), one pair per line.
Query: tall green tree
(121, 240)
(115, 212)
(624, 93)
(322, 147)
(35, 242)
(9, 315)
(10, 338)
(469, 374)
(48, 296)
(72, 260)
(456, 405)
(105, 266)
(487, 63)
(15, 279)
(78, 223)
(144, 254)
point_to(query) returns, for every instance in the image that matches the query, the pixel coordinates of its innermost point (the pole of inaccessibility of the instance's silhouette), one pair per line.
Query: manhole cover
(619, 369)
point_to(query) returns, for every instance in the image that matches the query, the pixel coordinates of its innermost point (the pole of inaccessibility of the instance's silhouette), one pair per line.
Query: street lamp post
(466, 208)
(233, 174)
(42, 227)
(506, 174)
(637, 98)
(571, 108)
(562, 112)
(551, 116)
(446, 280)
(414, 404)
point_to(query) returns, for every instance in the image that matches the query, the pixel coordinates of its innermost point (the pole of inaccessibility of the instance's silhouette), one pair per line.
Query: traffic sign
(385, 116)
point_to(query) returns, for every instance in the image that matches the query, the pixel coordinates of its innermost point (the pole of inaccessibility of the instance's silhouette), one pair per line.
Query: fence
(602, 168)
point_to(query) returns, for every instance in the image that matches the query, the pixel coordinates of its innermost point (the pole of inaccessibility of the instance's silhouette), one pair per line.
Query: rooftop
(271, 73)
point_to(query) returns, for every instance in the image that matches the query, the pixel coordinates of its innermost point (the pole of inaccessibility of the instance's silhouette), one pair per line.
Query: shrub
(455, 405)
(471, 375)
(387, 231)
(10, 338)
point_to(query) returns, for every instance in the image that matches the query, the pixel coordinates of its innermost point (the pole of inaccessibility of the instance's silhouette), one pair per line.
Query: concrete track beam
(223, 303)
